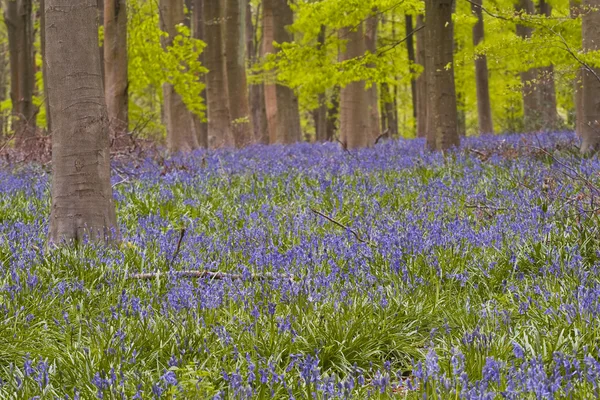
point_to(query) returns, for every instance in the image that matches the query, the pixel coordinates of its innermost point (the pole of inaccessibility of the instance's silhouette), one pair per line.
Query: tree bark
(546, 87)
(200, 127)
(19, 24)
(354, 99)
(442, 113)
(235, 53)
(531, 106)
(82, 200)
(575, 9)
(257, 92)
(44, 73)
(281, 101)
(181, 136)
(391, 120)
(219, 117)
(590, 126)
(333, 114)
(320, 113)
(421, 81)
(115, 63)
(484, 107)
(371, 26)
(410, 47)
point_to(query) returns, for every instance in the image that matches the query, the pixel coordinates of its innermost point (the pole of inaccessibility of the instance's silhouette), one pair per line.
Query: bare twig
(176, 253)
(338, 223)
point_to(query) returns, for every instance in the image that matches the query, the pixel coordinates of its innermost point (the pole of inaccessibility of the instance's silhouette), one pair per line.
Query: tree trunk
(442, 113)
(410, 47)
(19, 24)
(320, 113)
(354, 99)
(575, 8)
(373, 95)
(219, 116)
(421, 81)
(181, 136)
(484, 107)
(281, 101)
(100, 6)
(391, 120)
(3, 84)
(115, 63)
(547, 90)
(333, 114)
(531, 106)
(235, 53)
(44, 73)
(257, 93)
(82, 201)
(200, 127)
(590, 126)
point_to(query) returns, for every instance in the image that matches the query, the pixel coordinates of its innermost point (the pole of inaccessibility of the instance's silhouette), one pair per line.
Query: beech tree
(257, 91)
(219, 115)
(115, 62)
(181, 136)
(484, 107)
(421, 79)
(546, 86)
(531, 106)
(442, 114)
(235, 55)
(371, 26)
(19, 24)
(201, 127)
(590, 126)
(82, 201)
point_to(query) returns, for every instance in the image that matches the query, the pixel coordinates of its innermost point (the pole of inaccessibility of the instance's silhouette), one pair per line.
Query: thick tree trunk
(371, 26)
(391, 120)
(546, 87)
(44, 73)
(257, 93)
(19, 24)
(442, 113)
(82, 201)
(3, 84)
(590, 126)
(531, 106)
(575, 8)
(115, 63)
(484, 107)
(410, 47)
(219, 117)
(101, 47)
(181, 136)
(200, 127)
(235, 53)
(354, 99)
(281, 101)
(421, 81)
(320, 113)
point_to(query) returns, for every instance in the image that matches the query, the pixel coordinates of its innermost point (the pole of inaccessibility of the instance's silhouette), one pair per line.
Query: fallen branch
(217, 275)
(338, 223)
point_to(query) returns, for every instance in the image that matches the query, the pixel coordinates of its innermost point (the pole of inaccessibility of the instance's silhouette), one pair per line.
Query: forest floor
(389, 272)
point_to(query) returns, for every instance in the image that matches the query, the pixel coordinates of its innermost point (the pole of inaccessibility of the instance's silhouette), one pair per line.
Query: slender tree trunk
(200, 127)
(101, 22)
(257, 93)
(82, 201)
(410, 46)
(235, 11)
(484, 107)
(371, 26)
(219, 117)
(590, 126)
(531, 106)
(575, 8)
(442, 114)
(44, 73)
(181, 136)
(391, 124)
(421, 81)
(19, 24)
(3, 84)
(333, 114)
(547, 89)
(320, 113)
(354, 99)
(281, 101)
(115, 63)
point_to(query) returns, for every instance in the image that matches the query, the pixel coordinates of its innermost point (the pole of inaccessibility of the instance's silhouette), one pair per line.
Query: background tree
(257, 91)
(590, 127)
(546, 87)
(484, 108)
(115, 63)
(197, 22)
(531, 106)
(421, 80)
(219, 117)
(235, 53)
(82, 201)
(181, 136)
(19, 23)
(442, 115)
(371, 28)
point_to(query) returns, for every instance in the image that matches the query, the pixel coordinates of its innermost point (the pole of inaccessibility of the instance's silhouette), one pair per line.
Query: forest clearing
(299, 199)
